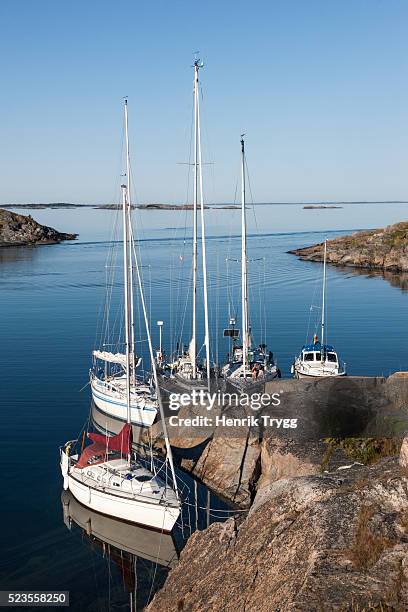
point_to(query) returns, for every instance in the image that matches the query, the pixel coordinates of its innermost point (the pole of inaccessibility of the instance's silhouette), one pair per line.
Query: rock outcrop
(341, 422)
(382, 249)
(403, 459)
(20, 230)
(337, 541)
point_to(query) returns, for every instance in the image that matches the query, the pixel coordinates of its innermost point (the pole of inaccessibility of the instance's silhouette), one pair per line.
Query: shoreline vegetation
(22, 230)
(377, 249)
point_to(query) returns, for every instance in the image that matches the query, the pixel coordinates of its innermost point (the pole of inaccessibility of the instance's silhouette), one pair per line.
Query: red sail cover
(122, 442)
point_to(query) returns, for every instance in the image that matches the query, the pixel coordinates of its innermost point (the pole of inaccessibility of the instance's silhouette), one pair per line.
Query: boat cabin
(317, 353)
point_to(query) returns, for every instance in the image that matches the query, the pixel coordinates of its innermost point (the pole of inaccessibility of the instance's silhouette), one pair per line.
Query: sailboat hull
(113, 404)
(155, 516)
(320, 375)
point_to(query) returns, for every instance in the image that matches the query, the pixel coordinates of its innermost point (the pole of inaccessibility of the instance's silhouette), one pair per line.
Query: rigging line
(251, 196)
(180, 339)
(104, 323)
(264, 299)
(110, 278)
(188, 185)
(174, 326)
(260, 305)
(180, 283)
(111, 283)
(156, 562)
(217, 309)
(312, 307)
(230, 282)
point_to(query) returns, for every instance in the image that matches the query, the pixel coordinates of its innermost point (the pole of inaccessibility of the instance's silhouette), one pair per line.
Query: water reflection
(395, 279)
(142, 557)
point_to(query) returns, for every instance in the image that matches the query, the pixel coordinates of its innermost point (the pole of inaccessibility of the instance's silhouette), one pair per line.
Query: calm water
(52, 298)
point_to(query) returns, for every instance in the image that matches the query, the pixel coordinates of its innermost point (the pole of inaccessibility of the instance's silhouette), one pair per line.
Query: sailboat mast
(203, 246)
(193, 343)
(126, 295)
(154, 369)
(131, 307)
(324, 291)
(244, 264)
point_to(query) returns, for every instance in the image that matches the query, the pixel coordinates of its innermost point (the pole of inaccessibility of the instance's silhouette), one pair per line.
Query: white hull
(113, 404)
(321, 374)
(135, 509)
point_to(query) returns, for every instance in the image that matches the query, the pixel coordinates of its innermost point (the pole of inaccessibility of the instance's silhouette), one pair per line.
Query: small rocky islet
(378, 249)
(22, 230)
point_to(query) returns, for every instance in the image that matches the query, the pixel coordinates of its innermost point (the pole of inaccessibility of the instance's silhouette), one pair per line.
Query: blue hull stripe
(109, 401)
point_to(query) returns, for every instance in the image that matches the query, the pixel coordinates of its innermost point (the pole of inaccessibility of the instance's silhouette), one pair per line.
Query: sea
(59, 302)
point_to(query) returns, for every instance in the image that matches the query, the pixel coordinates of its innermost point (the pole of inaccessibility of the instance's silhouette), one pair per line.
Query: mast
(131, 308)
(126, 295)
(324, 291)
(244, 264)
(193, 343)
(154, 368)
(203, 245)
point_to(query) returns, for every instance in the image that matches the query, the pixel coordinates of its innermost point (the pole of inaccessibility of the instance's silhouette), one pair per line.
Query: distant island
(314, 206)
(67, 205)
(220, 205)
(167, 207)
(22, 230)
(378, 249)
(150, 206)
(39, 206)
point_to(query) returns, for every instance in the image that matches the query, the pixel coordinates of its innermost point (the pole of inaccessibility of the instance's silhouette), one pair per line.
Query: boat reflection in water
(111, 426)
(142, 556)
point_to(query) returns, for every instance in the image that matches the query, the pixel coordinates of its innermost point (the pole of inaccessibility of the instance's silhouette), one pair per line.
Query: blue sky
(319, 86)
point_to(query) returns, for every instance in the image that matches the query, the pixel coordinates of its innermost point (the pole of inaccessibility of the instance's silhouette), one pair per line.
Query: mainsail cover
(115, 358)
(101, 444)
(111, 357)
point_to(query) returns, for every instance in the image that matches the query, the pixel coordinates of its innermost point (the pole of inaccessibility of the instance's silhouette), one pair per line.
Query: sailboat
(186, 367)
(106, 475)
(317, 359)
(108, 374)
(247, 363)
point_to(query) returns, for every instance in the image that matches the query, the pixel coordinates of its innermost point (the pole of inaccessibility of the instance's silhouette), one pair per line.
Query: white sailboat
(317, 359)
(106, 476)
(247, 364)
(186, 367)
(108, 375)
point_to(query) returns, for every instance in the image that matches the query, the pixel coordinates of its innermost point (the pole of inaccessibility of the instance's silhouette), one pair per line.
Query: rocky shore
(337, 541)
(21, 230)
(322, 523)
(379, 249)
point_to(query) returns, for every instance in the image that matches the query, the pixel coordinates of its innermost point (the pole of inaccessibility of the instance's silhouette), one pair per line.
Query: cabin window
(308, 356)
(318, 356)
(332, 357)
